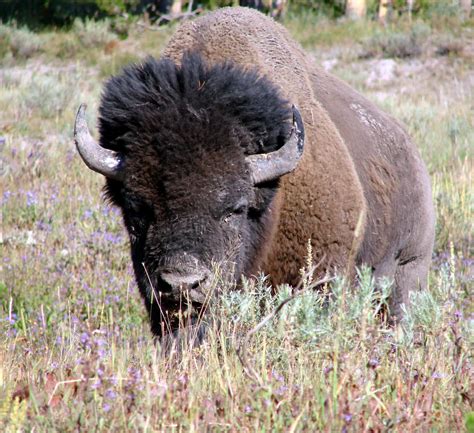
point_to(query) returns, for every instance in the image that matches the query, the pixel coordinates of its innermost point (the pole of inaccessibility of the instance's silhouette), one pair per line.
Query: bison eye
(133, 231)
(137, 224)
(238, 209)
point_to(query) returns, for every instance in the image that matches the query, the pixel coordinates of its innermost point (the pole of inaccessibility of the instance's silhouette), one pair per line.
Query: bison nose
(191, 285)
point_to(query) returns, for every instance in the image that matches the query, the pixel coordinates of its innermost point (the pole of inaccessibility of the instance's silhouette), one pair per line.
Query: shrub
(24, 43)
(46, 95)
(440, 8)
(93, 33)
(389, 43)
(21, 42)
(448, 45)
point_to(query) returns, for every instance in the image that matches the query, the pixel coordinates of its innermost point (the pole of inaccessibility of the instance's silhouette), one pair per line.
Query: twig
(190, 6)
(65, 382)
(177, 17)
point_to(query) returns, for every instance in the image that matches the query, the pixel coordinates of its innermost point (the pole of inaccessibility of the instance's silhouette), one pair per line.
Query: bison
(234, 148)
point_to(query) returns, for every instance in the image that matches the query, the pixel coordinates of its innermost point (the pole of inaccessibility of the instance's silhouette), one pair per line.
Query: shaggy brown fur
(361, 190)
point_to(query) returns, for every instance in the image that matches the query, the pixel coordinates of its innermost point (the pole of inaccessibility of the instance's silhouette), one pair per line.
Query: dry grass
(75, 350)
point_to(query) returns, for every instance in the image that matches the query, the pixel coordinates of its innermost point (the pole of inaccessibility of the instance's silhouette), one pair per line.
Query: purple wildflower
(6, 196)
(96, 384)
(135, 375)
(373, 363)
(31, 199)
(100, 342)
(110, 394)
(327, 370)
(12, 318)
(85, 339)
(277, 376)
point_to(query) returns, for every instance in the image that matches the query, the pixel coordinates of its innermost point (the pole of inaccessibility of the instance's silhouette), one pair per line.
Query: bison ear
(270, 166)
(96, 157)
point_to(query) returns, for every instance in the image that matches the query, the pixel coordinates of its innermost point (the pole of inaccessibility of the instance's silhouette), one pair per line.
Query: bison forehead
(213, 181)
(188, 153)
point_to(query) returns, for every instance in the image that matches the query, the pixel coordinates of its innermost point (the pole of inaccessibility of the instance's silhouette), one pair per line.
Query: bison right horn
(269, 166)
(96, 157)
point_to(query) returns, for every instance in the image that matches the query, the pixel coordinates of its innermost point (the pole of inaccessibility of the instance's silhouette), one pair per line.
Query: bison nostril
(199, 282)
(163, 285)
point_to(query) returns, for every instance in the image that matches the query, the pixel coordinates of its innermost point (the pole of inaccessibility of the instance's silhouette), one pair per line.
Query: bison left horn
(96, 157)
(269, 166)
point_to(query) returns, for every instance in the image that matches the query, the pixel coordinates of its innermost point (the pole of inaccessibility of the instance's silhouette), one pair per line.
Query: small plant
(447, 45)
(47, 95)
(13, 413)
(401, 44)
(93, 34)
(21, 42)
(24, 43)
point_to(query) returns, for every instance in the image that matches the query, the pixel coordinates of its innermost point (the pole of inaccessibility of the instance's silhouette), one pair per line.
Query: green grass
(75, 350)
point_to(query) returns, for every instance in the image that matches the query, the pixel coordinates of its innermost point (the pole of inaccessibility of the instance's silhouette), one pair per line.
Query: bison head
(192, 155)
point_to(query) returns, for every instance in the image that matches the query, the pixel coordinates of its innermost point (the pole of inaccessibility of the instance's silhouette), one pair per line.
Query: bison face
(186, 225)
(192, 156)
(188, 213)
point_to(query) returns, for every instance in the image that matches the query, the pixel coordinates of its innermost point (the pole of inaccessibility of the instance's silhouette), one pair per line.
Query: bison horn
(96, 157)
(270, 166)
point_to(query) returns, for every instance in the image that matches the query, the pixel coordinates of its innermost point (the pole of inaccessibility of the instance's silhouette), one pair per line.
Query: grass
(75, 350)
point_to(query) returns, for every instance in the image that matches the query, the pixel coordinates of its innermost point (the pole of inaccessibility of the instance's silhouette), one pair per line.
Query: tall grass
(75, 350)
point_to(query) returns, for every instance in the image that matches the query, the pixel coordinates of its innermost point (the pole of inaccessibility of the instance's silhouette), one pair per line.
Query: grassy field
(75, 350)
